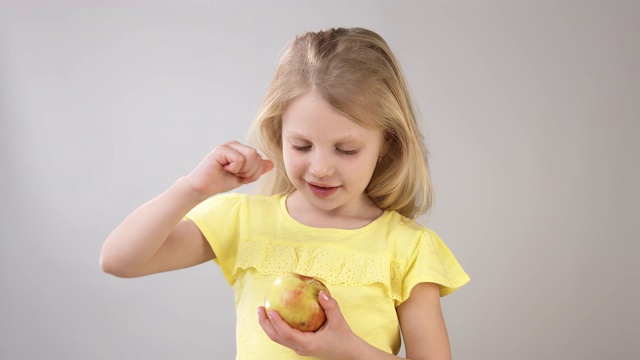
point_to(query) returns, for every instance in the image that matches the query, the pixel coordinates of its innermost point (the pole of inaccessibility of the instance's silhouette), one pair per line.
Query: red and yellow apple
(295, 298)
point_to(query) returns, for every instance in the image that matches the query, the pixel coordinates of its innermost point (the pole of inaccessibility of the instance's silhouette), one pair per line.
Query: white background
(531, 112)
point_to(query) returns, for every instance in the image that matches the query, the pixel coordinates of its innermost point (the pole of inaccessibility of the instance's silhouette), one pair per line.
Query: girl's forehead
(333, 137)
(311, 113)
(344, 131)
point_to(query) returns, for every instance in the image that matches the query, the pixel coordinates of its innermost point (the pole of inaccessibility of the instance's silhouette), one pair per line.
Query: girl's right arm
(155, 237)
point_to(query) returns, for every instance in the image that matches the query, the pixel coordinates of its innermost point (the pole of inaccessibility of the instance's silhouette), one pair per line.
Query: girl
(350, 175)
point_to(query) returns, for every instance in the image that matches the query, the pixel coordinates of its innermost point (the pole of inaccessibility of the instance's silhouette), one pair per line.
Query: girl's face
(328, 158)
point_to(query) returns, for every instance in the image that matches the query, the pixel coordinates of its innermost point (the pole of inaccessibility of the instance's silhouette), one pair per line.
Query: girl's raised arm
(155, 238)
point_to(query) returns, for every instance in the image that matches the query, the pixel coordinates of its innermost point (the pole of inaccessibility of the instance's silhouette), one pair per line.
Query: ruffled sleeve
(432, 261)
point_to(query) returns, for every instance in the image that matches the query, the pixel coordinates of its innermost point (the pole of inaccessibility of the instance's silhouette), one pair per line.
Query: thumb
(268, 165)
(330, 305)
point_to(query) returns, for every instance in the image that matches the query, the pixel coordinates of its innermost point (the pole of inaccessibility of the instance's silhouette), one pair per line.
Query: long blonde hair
(356, 73)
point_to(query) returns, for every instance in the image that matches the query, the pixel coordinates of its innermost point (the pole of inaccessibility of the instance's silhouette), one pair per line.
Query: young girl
(350, 175)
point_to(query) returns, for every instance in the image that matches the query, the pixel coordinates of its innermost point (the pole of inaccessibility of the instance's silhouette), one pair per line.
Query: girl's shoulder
(399, 225)
(242, 199)
(230, 207)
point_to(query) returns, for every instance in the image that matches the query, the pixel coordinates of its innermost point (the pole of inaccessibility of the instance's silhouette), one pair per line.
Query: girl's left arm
(421, 321)
(423, 328)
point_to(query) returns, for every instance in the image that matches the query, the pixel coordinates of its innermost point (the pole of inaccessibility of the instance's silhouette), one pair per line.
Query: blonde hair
(356, 73)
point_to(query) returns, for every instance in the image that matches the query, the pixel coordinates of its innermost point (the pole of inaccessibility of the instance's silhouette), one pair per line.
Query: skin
(329, 159)
(322, 149)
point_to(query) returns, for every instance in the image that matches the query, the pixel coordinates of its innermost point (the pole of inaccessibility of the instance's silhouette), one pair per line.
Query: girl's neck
(305, 213)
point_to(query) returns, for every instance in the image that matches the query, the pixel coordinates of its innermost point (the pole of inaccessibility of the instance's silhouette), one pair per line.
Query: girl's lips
(322, 191)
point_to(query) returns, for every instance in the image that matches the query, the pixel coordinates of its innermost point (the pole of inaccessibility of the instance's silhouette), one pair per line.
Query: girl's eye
(347, 152)
(301, 148)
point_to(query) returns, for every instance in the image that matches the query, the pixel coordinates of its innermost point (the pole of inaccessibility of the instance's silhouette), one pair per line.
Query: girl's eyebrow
(298, 136)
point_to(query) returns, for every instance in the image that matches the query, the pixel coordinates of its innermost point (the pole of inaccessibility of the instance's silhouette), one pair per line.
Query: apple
(295, 298)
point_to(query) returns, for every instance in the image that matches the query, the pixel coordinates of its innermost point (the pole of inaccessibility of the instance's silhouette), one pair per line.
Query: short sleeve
(432, 261)
(218, 220)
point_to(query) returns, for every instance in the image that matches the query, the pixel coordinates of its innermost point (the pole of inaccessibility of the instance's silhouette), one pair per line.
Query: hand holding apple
(333, 340)
(295, 298)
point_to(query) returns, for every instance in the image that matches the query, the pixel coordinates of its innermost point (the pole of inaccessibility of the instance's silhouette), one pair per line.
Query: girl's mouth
(322, 191)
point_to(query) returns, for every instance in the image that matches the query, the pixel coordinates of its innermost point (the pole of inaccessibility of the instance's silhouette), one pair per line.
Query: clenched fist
(227, 167)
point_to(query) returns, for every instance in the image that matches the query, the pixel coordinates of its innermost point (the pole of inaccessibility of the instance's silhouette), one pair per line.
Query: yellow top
(369, 270)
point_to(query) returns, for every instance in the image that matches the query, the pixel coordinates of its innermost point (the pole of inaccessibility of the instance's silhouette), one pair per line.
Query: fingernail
(324, 295)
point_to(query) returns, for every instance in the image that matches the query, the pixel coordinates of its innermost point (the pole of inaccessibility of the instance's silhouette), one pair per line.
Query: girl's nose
(321, 165)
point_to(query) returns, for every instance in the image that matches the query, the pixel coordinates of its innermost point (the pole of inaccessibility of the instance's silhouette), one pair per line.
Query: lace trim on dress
(325, 263)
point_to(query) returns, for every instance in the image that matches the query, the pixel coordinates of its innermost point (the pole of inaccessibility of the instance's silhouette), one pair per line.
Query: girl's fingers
(281, 327)
(231, 157)
(330, 306)
(262, 167)
(245, 161)
(266, 325)
(274, 326)
(242, 161)
(267, 166)
(227, 167)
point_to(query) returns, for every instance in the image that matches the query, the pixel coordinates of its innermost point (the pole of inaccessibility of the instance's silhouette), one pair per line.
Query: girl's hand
(227, 167)
(334, 340)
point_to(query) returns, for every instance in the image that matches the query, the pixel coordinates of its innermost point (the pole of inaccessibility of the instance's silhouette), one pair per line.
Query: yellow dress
(369, 270)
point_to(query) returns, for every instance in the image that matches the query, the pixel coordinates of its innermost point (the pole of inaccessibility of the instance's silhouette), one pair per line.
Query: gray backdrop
(532, 116)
